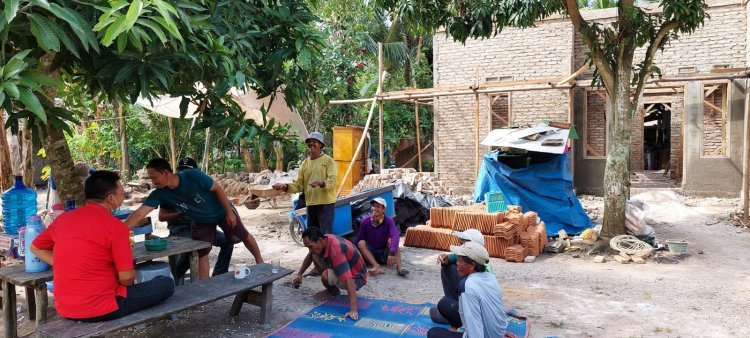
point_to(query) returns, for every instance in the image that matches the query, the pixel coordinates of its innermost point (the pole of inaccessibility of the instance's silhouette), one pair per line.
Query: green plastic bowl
(158, 244)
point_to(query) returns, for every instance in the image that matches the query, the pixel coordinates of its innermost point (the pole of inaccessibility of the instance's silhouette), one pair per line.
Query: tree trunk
(279, 155)
(207, 150)
(172, 148)
(262, 158)
(56, 146)
(125, 165)
(27, 149)
(617, 170)
(6, 174)
(247, 156)
(61, 163)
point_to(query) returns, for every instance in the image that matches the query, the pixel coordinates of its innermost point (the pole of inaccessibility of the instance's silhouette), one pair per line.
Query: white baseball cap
(471, 235)
(379, 200)
(473, 250)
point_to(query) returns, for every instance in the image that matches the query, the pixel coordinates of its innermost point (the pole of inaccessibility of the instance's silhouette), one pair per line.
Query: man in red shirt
(92, 259)
(339, 263)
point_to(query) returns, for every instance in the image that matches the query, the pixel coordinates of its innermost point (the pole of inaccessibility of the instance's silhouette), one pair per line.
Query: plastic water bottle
(19, 202)
(33, 229)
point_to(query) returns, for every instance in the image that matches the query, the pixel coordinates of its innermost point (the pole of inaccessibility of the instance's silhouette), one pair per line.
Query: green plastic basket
(158, 244)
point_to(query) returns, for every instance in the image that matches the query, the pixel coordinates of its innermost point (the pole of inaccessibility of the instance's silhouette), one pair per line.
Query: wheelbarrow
(343, 224)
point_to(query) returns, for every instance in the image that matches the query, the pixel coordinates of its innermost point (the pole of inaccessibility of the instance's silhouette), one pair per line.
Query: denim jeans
(439, 332)
(182, 262)
(140, 296)
(449, 277)
(321, 217)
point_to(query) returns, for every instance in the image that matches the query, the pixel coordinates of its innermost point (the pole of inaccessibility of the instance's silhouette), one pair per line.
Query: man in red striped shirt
(339, 263)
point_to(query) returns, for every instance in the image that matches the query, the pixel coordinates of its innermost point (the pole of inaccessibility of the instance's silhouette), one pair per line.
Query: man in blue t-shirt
(201, 199)
(179, 225)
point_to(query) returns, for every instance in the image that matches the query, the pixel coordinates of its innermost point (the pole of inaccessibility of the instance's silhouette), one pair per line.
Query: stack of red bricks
(511, 235)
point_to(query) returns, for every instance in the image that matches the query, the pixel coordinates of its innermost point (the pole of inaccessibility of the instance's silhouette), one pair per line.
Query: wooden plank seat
(36, 287)
(185, 297)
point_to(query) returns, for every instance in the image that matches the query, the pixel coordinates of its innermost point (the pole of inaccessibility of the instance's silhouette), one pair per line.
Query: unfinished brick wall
(722, 40)
(636, 140)
(676, 133)
(548, 51)
(513, 53)
(714, 132)
(596, 124)
(500, 110)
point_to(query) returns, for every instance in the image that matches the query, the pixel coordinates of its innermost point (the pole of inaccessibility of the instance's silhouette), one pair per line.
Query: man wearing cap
(378, 240)
(449, 271)
(479, 310)
(317, 179)
(201, 199)
(179, 226)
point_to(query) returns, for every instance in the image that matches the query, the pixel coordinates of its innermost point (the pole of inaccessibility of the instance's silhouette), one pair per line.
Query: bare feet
(376, 271)
(327, 294)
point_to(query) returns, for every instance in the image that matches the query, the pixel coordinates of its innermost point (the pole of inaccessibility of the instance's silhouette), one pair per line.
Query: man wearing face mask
(90, 252)
(317, 179)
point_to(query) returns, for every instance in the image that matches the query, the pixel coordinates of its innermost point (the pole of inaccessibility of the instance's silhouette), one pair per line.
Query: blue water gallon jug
(33, 228)
(19, 203)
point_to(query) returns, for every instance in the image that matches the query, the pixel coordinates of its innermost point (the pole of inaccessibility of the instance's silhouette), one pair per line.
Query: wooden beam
(429, 144)
(739, 75)
(713, 106)
(574, 75)
(710, 91)
(591, 149)
(476, 134)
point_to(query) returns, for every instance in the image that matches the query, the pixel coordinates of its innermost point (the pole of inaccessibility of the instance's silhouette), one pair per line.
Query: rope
(630, 245)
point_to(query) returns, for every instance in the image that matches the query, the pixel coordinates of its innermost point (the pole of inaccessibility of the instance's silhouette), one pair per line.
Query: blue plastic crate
(497, 206)
(494, 196)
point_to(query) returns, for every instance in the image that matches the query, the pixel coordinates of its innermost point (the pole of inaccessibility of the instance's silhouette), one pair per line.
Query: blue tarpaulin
(546, 188)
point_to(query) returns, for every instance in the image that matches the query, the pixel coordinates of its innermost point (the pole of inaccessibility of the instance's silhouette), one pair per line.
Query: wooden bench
(185, 297)
(36, 287)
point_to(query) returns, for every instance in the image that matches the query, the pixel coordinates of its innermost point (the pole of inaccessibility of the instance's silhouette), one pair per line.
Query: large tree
(124, 49)
(612, 50)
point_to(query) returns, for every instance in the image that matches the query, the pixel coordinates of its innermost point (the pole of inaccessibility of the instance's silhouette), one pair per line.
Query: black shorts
(207, 232)
(380, 254)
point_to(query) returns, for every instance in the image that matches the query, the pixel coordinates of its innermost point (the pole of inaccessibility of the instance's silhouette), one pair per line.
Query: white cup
(241, 271)
(275, 265)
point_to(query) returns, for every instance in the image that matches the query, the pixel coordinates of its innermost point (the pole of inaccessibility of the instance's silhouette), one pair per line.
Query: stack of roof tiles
(511, 235)
(516, 253)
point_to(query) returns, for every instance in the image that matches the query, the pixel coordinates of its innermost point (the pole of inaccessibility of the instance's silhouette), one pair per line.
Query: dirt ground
(701, 293)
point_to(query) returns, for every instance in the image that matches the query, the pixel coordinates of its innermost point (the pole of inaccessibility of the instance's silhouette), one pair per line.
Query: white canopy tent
(249, 102)
(170, 106)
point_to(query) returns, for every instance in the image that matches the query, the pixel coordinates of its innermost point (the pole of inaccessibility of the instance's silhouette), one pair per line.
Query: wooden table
(36, 286)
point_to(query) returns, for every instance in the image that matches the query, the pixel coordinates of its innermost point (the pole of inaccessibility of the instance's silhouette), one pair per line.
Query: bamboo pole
(359, 146)
(746, 164)
(419, 140)
(172, 147)
(476, 134)
(380, 104)
(388, 97)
